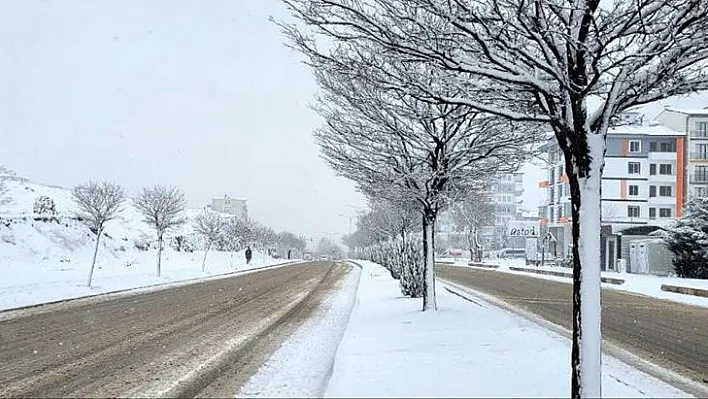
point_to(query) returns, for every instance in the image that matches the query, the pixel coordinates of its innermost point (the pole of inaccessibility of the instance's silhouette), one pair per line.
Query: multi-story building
(643, 184)
(694, 124)
(231, 206)
(505, 192)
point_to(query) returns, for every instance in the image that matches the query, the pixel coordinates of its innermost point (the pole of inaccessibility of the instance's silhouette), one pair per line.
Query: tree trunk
(586, 354)
(95, 253)
(429, 302)
(159, 253)
(205, 256)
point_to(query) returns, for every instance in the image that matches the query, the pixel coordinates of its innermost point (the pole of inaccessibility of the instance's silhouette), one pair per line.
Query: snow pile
(47, 257)
(468, 348)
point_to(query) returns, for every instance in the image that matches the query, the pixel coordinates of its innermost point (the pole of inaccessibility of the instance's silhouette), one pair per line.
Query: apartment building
(693, 123)
(231, 206)
(643, 184)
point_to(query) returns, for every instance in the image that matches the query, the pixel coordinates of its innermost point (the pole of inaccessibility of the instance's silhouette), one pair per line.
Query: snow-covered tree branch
(98, 203)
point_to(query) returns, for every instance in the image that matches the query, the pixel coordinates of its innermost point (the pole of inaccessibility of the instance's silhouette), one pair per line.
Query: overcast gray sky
(200, 94)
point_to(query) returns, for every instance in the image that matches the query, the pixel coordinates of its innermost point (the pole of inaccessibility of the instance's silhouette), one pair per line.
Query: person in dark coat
(288, 254)
(249, 254)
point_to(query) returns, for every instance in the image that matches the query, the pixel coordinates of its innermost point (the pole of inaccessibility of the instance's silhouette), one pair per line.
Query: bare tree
(161, 208)
(474, 212)
(539, 60)
(98, 203)
(209, 225)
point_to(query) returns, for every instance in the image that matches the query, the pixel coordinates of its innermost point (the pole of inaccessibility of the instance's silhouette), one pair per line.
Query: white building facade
(231, 206)
(693, 123)
(643, 184)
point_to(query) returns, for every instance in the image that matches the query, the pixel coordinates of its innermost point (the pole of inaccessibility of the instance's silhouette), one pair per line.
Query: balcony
(699, 178)
(699, 156)
(698, 134)
(663, 156)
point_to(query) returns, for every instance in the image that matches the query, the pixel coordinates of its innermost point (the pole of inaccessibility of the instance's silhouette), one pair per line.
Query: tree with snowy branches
(688, 240)
(162, 209)
(394, 145)
(210, 225)
(474, 212)
(98, 203)
(542, 61)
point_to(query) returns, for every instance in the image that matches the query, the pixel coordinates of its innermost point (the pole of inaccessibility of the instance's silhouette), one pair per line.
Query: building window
(702, 129)
(701, 151)
(700, 192)
(665, 191)
(668, 146)
(665, 169)
(652, 213)
(633, 190)
(665, 212)
(634, 168)
(652, 191)
(635, 146)
(701, 174)
(632, 211)
(652, 146)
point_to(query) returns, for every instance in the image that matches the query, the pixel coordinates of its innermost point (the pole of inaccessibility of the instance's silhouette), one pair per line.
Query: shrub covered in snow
(403, 258)
(688, 240)
(44, 206)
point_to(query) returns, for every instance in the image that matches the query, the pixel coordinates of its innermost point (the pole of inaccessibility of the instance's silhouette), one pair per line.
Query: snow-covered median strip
(302, 365)
(636, 283)
(392, 349)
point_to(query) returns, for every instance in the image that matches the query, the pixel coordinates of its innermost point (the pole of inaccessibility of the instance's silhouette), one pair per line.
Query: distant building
(693, 123)
(231, 206)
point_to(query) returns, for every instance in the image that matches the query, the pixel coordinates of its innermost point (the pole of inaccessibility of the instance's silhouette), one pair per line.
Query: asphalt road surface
(667, 333)
(203, 339)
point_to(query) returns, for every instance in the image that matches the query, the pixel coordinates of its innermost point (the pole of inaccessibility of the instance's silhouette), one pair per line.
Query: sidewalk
(466, 348)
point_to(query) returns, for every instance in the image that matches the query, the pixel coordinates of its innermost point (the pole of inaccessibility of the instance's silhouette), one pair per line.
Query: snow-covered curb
(301, 367)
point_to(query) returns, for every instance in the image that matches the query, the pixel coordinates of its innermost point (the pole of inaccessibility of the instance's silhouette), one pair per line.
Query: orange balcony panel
(543, 221)
(564, 219)
(544, 183)
(564, 178)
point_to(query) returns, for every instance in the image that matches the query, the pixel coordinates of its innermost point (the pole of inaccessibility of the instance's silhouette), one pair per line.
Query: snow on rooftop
(650, 130)
(689, 111)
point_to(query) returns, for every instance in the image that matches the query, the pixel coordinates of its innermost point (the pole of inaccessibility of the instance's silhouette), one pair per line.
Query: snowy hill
(53, 253)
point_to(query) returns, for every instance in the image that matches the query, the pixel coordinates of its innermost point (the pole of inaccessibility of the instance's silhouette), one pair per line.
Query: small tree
(99, 203)
(688, 240)
(161, 208)
(210, 225)
(473, 213)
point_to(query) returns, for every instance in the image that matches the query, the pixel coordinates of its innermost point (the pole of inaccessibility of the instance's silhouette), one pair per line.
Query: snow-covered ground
(30, 284)
(467, 348)
(44, 260)
(635, 283)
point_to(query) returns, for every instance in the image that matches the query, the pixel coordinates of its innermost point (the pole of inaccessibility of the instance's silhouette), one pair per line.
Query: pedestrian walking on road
(249, 254)
(289, 254)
